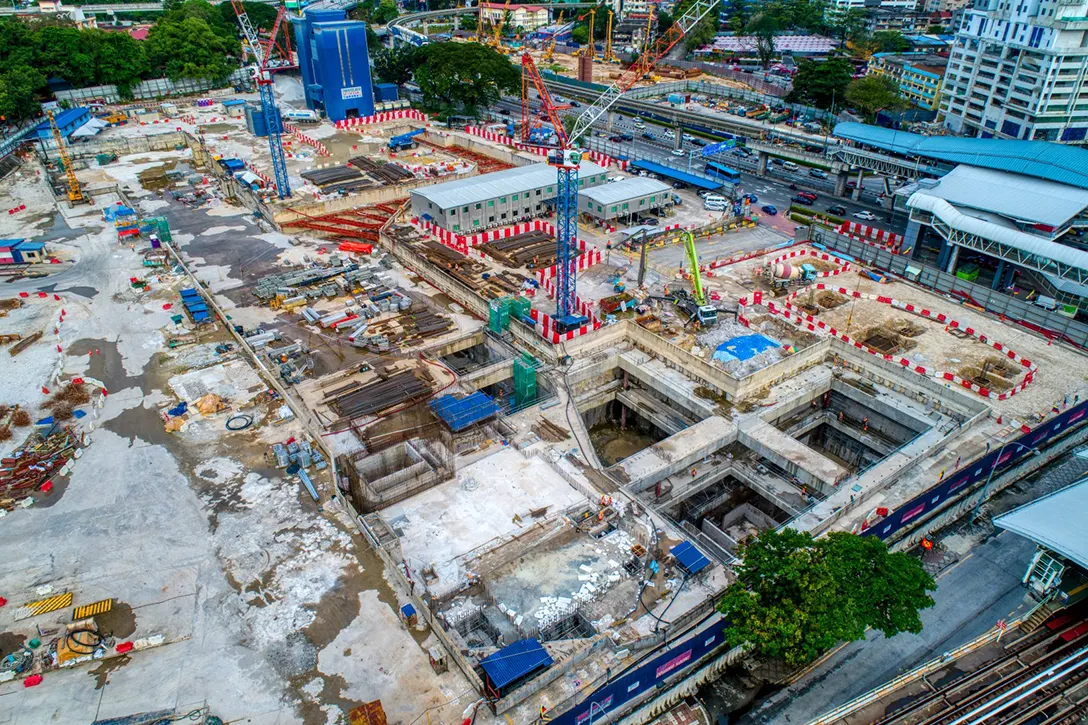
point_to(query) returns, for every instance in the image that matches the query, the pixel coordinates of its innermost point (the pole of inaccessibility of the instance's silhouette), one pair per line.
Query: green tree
(737, 11)
(874, 93)
(821, 83)
(461, 77)
(470, 22)
(395, 65)
(763, 27)
(889, 41)
(703, 33)
(580, 34)
(796, 597)
(386, 11)
(188, 49)
(119, 60)
(62, 52)
(18, 87)
(262, 15)
(210, 14)
(849, 25)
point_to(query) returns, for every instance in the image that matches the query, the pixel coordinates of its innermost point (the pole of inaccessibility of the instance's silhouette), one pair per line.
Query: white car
(679, 152)
(669, 133)
(865, 215)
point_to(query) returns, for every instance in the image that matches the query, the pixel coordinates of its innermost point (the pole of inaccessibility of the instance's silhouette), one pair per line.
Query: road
(971, 596)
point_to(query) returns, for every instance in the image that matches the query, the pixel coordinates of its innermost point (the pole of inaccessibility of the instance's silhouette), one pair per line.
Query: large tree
(17, 88)
(461, 77)
(262, 15)
(395, 65)
(795, 597)
(889, 41)
(189, 49)
(763, 27)
(874, 93)
(821, 83)
(703, 33)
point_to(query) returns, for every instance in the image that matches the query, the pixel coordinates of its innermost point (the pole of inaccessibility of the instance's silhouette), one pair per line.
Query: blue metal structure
(566, 239)
(273, 122)
(690, 558)
(460, 413)
(514, 662)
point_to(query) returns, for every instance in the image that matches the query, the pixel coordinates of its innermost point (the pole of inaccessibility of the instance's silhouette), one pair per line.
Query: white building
(529, 17)
(835, 6)
(1017, 70)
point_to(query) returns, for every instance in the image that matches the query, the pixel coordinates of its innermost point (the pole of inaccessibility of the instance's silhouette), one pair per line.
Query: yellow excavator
(75, 191)
(555, 35)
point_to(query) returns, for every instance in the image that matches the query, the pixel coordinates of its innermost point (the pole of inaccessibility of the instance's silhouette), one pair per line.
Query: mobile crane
(566, 157)
(696, 305)
(75, 191)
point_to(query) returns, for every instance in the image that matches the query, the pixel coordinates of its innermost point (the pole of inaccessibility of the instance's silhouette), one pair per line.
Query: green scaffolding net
(524, 380)
(499, 317)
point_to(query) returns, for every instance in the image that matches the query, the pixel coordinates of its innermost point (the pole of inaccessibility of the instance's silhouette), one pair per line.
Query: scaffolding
(525, 391)
(499, 317)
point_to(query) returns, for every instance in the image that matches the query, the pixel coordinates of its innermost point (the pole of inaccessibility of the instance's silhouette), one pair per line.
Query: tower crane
(263, 79)
(75, 191)
(566, 157)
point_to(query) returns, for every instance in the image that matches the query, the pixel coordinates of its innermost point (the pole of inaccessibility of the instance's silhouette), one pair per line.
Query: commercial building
(1055, 523)
(335, 64)
(624, 199)
(918, 74)
(497, 199)
(1019, 71)
(528, 17)
(838, 6)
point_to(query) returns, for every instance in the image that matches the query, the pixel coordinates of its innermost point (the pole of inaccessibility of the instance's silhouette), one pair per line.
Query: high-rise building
(1018, 70)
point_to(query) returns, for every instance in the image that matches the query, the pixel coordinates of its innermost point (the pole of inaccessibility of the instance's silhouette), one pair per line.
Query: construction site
(519, 445)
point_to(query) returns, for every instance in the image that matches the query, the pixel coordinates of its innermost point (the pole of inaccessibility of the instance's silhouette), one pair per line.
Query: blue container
(386, 92)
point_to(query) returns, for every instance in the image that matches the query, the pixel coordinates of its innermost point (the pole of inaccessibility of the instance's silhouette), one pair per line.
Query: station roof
(463, 192)
(675, 174)
(1016, 196)
(515, 661)
(1055, 521)
(619, 191)
(1060, 163)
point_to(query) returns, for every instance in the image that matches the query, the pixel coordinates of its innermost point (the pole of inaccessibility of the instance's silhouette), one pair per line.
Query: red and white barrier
(871, 235)
(383, 117)
(268, 182)
(312, 143)
(810, 323)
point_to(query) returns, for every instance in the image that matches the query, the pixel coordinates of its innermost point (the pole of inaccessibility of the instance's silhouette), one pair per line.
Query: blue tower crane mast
(566, 158)
(261, 55)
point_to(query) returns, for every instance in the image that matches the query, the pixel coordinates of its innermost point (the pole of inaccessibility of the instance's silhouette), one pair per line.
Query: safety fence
(384, 117)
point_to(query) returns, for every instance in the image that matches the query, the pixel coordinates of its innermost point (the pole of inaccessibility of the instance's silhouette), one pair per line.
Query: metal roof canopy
(463, 192)
(690, 558)
(677, 175)
(1042, 159)
(515, 661)
(1055, 521)
(1016, 196)
(626, 190)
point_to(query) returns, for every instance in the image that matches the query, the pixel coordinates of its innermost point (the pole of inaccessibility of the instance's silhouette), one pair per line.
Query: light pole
(990, 477)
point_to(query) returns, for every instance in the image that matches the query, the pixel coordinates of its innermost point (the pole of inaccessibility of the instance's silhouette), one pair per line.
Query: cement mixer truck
(782, 275)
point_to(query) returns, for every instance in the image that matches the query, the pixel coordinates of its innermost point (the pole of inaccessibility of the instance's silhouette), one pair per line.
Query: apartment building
(919, 75)
(1017, 70)
(529, 17)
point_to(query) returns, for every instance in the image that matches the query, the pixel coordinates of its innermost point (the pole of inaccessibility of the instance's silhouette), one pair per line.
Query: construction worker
(693, 472)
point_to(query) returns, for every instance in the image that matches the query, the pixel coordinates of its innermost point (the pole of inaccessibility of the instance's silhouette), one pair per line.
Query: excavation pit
(618, 432)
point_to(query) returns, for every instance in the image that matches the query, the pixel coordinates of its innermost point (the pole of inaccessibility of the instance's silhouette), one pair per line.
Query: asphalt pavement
(971, 597)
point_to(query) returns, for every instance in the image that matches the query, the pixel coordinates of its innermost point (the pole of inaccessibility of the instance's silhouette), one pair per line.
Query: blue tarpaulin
(513, 662)
(743, 347)
(460, 414)
(690, 558)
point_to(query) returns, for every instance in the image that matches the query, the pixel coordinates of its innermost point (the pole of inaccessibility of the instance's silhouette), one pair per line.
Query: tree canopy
(874, 93)
(889, 41)
(796, 597)
(763, 26)
(703, 33)
(461, 77)
(190, 48)
(821, 83)
(394, 65)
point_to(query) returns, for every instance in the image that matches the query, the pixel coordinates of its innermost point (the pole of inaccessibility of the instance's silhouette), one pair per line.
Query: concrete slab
(675, 453)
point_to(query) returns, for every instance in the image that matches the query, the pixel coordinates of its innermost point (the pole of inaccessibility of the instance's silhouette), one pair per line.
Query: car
(648, 136)
(851, 184)
(626, 137)
(697, 142)
(752, 198)
(800, 199)
(769, 209)
(679, 185)
(679, 152)
(837, 210)
(703, 193)
(774, 161)
(669, 133)
(648, 221)
(688, 137)
(808, 195)
(865, 215)
(616, 139)
(817, 174)
(613, 179)
(574, 104)
(504, 112)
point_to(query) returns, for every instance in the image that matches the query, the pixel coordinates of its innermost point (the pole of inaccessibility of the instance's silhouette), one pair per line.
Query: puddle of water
(106, 667)
(120, 621)
(82, 291)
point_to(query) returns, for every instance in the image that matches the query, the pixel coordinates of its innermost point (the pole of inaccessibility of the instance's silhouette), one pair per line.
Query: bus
(721, 172)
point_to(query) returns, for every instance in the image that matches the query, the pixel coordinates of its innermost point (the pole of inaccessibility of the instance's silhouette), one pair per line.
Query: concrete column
(998, 274)
(953, 257)
(610, 120)
(942, 256)
(857, 189)
(425, 31)
(840, 183)
(456, 23)
(761, 168)
(887, 185)
(677, 137)
(910, 238)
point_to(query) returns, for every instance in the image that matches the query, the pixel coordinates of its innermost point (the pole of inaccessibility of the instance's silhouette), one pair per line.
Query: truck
(300, 116)
(405, 140)
(782, 275)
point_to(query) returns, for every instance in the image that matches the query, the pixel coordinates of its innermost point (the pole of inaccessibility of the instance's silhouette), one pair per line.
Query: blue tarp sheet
(690, 558)
(743, 347)
(676, 175)
(460, 414)
(515, 661)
